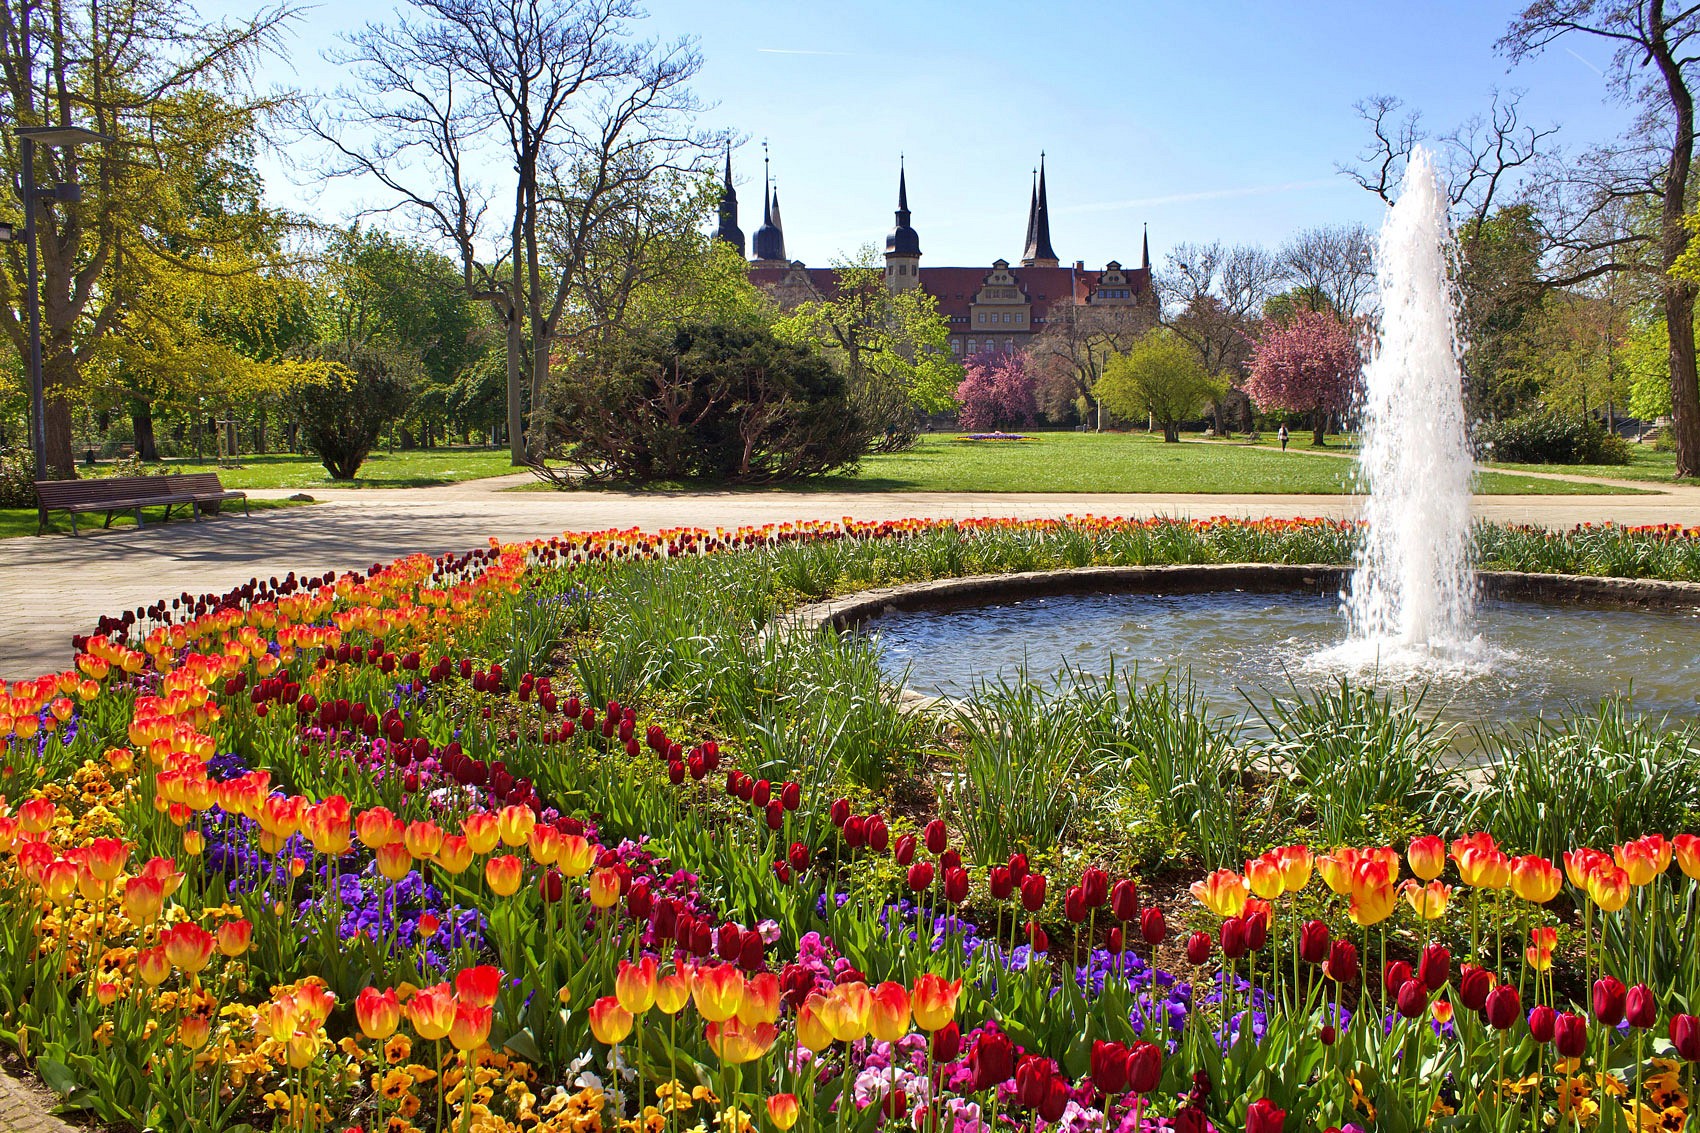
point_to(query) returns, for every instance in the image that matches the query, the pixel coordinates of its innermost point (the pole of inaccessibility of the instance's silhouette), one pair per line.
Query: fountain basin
(1549, 641)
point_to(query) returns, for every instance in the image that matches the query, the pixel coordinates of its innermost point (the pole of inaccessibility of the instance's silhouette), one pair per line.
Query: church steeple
(903, 245)
(767, 246)
(1039, 253)
(1032, 213)
(729, 230)
(1145, 248)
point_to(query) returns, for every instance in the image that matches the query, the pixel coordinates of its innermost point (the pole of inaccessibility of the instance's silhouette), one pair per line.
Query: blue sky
(1206, 121)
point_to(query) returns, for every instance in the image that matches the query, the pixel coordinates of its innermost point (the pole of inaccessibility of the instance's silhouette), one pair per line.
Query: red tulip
(1109, 1066)
(1198, 947)
(1256, 929)
(799, 856)
(1474, 984)
(1233, 938)
(1342, 962)
(1056, 1100)
(992, 1060)
(1609, 997)
(956, 886)
(1685, 1036)
(1570, 1035)
(1503, 1007)
(1313, 942)
(1435, 966)
(920, 876)
(1264, 1116)
(840, 812)
(1395, 976)
(1144, 1067)
(904, 852)
(1001, 883)
(1095, 886)
(937, 837)
(791, 796)
(1124, 901)
(855, 831)
(1413, 998)
(1074, 904)
(879, 835)
(1114, 942)
(1018, 867)
(1032, 1079)
(775, 815)
(1640, 1008)
(1543, 1023)
(947, 1043)
(1153, 928)
(1036, 938)
(1032, 892)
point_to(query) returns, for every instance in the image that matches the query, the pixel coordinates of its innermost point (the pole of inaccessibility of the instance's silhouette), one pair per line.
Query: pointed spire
(729, 230)
(1145, 248)
(1039, 252)
(1032, 217)
(902, 241)
(902, 191)
(768, 244)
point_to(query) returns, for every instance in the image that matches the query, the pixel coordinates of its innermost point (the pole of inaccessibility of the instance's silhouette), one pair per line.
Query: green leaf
(524, 1044)
(57, 1075)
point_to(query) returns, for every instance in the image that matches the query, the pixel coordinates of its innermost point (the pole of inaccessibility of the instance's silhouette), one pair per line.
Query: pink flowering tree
(996, 392)
(1307, 363)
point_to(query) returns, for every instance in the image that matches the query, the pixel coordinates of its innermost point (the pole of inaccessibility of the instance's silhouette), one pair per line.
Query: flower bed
(394, 851)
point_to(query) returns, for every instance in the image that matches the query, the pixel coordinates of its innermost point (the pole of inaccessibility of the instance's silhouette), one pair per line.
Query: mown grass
(17, 521)
(422, 468)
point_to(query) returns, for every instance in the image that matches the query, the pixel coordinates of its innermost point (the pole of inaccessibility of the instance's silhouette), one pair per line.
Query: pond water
(1531, 658)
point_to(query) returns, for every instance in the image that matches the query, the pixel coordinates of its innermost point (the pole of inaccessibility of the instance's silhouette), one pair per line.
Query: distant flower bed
(416, 849)
(994, 437)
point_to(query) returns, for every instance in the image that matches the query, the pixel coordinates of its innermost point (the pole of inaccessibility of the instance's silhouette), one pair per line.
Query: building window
(1009, 345)
(972, 346)
(1020, 318)
(956, 346)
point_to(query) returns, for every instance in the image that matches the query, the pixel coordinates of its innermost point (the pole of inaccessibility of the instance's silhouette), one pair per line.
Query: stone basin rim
(850, 610)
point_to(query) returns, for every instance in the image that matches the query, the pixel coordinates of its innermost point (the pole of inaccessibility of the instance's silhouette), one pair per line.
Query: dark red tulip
(791, 797)
(1264, 1116)
(840, 812)
(992, 1060)
(1144, 1067)
(1609, 997)
(1342, 962)
(855, 831)
(947, 1043)
(1032, 1078)
(782, 872)
(904, 852)
(639, 901)
(750, 952)
(1503, 1007)
(728, 941)
(920, 876)
(1018, 867)
(1328, 1034)
(1001, 883)
(1153, 929)
(1435, 966)
(1074, 904)
(1036, 938)
(1234, 938)
(1313, 942)
(950, 859)
(549, 886)
(1095, 886)
(956, 886)
(1124, 901)
(1640, 1008)
(1570, 1035)
(1033, 892)
(1474, 983)
(879, 835)
(1685, 1036)
(761, 793)
(1056, 1100)
(1198, 947)
(937, 837)
(1395, 976)
(675, 773)
(1114, 943)
(1413, 998)
(1256, 930)
(895, 1106)
(1543, 1023)
(799, 856)
(1109, 1066)
(775, 815)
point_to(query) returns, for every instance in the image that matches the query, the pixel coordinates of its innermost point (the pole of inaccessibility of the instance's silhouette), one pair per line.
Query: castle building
(992, 309)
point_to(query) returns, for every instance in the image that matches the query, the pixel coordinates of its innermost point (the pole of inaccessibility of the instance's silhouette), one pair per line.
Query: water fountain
(1410, 599)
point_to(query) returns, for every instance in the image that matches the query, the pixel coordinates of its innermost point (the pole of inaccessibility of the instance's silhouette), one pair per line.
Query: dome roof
(903, 240)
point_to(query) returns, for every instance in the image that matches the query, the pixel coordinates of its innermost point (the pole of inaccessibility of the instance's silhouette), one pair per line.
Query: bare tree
(550, 105)
(1213, 294)
(1080, 339)
(1335, 263)
(1653, 65)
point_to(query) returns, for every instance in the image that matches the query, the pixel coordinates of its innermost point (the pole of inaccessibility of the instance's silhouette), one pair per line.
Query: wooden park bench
(196, 491)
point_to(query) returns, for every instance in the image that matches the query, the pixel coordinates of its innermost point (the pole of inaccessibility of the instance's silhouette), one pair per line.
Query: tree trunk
(141, 422)
(1678, 294)
(1171, 432)
(1319, 429)
(1684, 383)
(516, 394)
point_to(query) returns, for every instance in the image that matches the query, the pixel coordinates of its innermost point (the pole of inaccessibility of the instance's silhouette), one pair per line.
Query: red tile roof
(955, 288)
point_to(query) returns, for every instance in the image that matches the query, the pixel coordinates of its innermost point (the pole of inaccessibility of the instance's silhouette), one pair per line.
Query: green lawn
(421, 468)
(16, 521)
(1121, 462)
(1644, 464)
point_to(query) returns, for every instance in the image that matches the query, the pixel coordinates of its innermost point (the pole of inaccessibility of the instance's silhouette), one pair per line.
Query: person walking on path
(1284, 435)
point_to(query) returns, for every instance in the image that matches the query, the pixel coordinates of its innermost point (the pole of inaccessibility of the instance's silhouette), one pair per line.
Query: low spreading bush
(1548, 438)
(17, 477)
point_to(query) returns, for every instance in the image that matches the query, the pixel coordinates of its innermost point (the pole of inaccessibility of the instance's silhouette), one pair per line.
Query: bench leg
(138, 518)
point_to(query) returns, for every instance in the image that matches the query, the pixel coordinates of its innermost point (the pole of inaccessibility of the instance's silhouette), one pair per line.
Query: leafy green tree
(344, 407)
(1501, 286)
(894, 346)
(1160, 377)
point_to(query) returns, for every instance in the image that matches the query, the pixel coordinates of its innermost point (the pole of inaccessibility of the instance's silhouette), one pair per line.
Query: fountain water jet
(1411, 597)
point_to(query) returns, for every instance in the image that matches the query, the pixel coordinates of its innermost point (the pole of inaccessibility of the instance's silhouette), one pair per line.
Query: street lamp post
(67, 192)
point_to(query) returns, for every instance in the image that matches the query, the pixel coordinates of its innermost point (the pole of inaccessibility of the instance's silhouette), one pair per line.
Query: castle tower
(1039, 253)
(767, 246)
(729, 230)
(902, 246)
(1145, 248)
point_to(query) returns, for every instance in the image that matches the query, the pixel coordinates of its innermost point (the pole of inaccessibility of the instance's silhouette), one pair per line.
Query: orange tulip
(235, 936)
(1637, 860)
(1223, 892)
(1429, 901)
(1427, 856)
(59, 881)
(1687, 849)
(326, 825)
(188, 946)
(479, 986)
(314, 1002)
(432, 1012)
(514, 824)
(934, 1001)
(423, 838)
(609, 1022)
(1608, 887)
(1484, 868)
(761, 999)
(718, 990)
(1296, 865)
(1535, 879)
(604, 888)
(1581, 863)
(888, 1017)
(454, 856)
(153, 965)
(105, 858)
(143, 898)
(482, 831)
(1660, 849)
(545, 844)
(575, 856)
(1541, 943)
(194, 1031)
(1481, 841)
(1263, 877)
(783, 1109)
(1338, 868)
(377, 1012)
(635, 985)
(735, 1042)
(845, 1012)
(672, 992)
(36, 815)
(471, 1026)
(394, 860)
(503, 873)
(812, 1030)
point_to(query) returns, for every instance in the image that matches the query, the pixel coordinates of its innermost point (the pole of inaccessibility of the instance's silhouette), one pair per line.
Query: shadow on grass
(17, 521)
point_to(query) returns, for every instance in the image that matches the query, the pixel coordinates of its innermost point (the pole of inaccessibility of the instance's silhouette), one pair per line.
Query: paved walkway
(56, 586)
